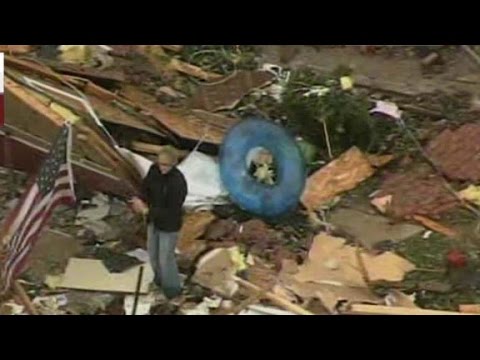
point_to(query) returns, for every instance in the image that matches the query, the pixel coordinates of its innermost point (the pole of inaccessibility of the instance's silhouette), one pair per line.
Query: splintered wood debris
(341, 175)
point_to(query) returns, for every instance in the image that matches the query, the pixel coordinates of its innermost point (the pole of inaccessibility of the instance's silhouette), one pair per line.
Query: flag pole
(20, 293)
(137, 290)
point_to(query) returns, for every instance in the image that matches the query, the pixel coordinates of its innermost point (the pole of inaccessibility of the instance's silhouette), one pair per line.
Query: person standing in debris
(164, 190)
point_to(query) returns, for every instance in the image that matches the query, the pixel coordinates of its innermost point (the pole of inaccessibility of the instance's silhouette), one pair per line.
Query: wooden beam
(361, 309)
(15, 49)
(146, 148)
(154, 149)
(174, 48)
(284, 303)
(470, 308)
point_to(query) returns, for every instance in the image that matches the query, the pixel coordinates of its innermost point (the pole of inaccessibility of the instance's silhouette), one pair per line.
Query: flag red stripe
(41, 212)
(17, 217)
(34, 215)
(39, 204)
(24, 250)
(23, 214)
(33, 210)
(32, 240)
(11, 266)
(14, 219)
(60, 194)
(32, 204)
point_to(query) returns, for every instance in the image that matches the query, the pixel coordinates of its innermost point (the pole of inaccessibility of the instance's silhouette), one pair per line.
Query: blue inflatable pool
(247, 192)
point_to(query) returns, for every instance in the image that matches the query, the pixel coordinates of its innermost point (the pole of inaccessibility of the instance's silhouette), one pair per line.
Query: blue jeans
(161, 248)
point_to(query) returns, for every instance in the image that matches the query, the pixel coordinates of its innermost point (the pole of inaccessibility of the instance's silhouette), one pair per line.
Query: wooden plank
(184, 124)
(121, 166)
(20, 92)
(43, 145)
(113, 115)
(32, 66)
(174, 48)
(27, 112)
(30, 154)
(361, 309)
(95, 139)
(284, 303)
(192, 70)
(105, 110)
(89, 73)
(101, 93)
(154, 149)
(102, 102)
(435, 226)
(469, 308)
(16, 49)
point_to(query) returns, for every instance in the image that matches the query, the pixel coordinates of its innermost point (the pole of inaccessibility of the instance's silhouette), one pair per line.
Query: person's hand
(138, 205)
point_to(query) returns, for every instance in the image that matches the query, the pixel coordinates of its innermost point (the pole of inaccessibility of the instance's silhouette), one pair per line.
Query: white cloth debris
(140, 254)
(387, 108)
(202, 173)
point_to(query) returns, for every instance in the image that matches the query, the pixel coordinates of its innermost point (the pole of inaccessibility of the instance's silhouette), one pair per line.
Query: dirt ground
(400, 72)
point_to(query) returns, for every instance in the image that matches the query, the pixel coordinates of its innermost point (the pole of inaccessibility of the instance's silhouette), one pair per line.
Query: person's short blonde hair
(168, 154)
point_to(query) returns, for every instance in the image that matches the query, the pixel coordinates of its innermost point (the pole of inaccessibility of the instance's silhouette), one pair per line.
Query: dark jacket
(165, 195)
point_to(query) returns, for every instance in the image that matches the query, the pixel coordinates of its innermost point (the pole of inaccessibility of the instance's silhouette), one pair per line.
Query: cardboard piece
(91, 274)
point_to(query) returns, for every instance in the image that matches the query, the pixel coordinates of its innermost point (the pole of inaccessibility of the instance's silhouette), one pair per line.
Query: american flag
(53, 185)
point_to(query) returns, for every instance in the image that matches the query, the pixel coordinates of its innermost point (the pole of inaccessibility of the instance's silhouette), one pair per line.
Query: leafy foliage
(345, 112)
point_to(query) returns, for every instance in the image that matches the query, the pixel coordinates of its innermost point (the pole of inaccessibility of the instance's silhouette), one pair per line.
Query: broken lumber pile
(40, 99)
